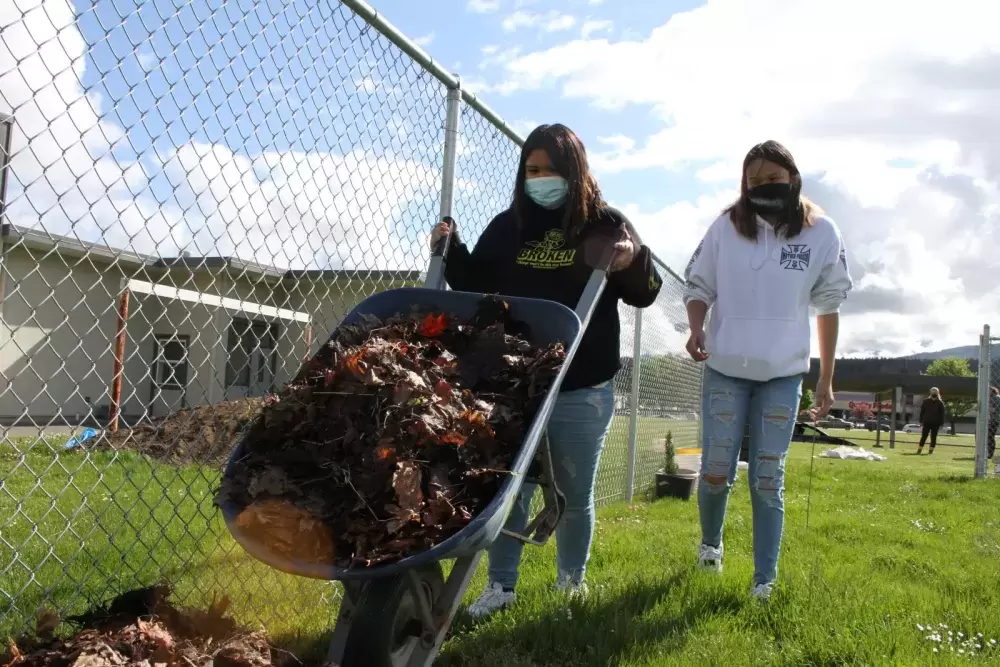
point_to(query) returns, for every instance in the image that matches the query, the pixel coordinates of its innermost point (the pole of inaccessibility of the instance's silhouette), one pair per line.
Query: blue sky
(455, 35)
(288, 134)
(274, 79)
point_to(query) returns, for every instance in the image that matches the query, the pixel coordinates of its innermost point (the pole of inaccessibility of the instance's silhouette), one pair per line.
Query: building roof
(65, 245)
(884, 382)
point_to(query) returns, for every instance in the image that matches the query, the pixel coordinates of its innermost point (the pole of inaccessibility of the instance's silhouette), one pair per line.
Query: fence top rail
(372, 17)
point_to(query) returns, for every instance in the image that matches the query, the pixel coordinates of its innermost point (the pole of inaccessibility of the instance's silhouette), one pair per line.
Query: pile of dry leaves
(142, 628)
(204, 434)
(392, 438)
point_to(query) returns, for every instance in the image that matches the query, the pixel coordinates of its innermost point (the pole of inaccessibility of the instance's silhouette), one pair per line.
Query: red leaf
(453, 438)
(384, 451)
(434, 325)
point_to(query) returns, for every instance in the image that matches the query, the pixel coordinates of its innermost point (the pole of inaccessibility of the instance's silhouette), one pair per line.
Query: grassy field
(906, 441)
(892, 552)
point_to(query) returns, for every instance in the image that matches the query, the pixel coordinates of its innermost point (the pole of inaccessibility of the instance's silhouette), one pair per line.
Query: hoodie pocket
(775, 340)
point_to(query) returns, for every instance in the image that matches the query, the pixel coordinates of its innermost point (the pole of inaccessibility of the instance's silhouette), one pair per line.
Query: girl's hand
(696, 345)
(824, 398)
(624, 252)
(441, 230)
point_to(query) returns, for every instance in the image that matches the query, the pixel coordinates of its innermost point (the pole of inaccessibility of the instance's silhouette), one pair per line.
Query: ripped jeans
(770, 408)
(577, 429)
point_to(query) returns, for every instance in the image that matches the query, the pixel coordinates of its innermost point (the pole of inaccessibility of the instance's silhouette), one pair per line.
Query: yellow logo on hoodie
(549, 253)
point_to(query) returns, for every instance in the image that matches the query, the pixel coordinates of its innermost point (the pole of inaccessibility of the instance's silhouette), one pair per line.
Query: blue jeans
(770, 408)
(577, 429)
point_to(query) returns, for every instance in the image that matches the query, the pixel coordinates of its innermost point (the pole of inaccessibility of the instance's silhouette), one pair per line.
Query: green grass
(890, 545)
(85, 526)
(866, 439)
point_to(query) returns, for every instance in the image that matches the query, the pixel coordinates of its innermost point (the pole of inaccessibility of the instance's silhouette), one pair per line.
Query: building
(197, 329)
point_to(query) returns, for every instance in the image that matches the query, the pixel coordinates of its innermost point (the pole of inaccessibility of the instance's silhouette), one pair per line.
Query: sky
(289, 134)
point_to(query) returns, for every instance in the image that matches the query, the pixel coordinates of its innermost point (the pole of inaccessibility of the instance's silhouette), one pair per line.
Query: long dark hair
(569, 160)
(799, 213)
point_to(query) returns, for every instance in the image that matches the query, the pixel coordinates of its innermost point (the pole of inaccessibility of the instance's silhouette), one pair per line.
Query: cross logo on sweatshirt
(795, 256)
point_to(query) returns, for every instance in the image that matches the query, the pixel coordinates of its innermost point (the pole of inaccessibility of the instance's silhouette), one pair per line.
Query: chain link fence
(197, 195)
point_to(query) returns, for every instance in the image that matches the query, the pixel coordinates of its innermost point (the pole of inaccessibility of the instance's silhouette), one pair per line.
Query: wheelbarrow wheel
(387, 624)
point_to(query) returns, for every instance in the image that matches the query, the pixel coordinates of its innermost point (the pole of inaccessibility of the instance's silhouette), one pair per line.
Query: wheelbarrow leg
(540, 529)
(353, 591)
(445, 609)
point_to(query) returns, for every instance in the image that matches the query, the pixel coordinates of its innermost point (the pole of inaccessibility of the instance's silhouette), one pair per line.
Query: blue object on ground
(78, 440)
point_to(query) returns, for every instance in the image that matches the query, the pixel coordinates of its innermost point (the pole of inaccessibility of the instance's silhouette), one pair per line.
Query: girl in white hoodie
(761, 265)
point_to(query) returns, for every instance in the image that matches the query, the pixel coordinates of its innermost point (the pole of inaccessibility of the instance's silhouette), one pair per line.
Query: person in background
(761, 265)
(932, 416)
(533, 249)
(994, 425)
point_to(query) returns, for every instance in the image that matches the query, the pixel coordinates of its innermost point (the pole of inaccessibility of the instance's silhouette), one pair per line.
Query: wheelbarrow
(398, 614)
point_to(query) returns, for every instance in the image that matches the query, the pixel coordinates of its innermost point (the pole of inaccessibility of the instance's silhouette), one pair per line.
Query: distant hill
(965, 352)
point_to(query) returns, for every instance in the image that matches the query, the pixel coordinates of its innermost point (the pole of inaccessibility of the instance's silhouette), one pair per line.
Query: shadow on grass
(604, 630)
(956, 479)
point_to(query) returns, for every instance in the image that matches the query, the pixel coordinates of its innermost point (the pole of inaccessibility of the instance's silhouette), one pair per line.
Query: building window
(249, 347)
(170, 361)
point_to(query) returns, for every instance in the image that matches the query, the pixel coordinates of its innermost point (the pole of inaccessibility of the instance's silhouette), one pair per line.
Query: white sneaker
(492, 599)
(762, 591)
(566, 584)
(710, 558)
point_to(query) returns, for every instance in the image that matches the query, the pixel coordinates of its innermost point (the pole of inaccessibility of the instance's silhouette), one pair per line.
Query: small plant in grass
(673, 481)
(670, 455)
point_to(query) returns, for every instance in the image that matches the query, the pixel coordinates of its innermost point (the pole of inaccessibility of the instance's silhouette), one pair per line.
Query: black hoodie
(536, 262)
(932, 412)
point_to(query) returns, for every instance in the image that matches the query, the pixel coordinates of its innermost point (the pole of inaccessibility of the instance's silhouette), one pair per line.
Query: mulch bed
(201, 435)
(392, 438)
(142, 628)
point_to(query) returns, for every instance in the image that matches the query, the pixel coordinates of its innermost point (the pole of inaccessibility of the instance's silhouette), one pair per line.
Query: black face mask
(770, 197)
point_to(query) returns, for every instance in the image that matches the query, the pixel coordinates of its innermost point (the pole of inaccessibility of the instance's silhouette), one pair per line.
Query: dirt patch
(143, 629)
(205, 434)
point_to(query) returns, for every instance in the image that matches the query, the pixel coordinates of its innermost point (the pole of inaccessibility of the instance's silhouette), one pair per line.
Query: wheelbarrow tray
(549, 322)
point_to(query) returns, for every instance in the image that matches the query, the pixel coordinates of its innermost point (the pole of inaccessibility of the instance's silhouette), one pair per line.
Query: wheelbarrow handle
(594, 288)
(435, 270)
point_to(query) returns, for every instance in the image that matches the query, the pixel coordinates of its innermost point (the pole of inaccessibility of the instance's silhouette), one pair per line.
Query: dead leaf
(406, 482)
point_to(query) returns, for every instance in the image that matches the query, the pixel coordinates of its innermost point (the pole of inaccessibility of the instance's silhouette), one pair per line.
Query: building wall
(59, 318)
(207, 328)
(329, 301)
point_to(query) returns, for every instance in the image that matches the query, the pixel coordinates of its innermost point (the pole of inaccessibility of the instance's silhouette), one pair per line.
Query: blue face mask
(547, 191)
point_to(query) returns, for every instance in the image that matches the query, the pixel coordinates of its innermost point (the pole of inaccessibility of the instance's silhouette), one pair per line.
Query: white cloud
(298, 209)
(894, 127)
(424, 40)
(289, 209)
(552, 21)
(495, 56)
(483, 6)
(592, 27)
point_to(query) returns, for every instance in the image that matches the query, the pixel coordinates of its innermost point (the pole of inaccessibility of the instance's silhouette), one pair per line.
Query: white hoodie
(760, 292)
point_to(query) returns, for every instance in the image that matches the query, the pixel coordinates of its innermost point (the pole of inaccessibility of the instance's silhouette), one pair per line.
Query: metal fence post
(633, 423)
(983, 398)
(452, 130)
